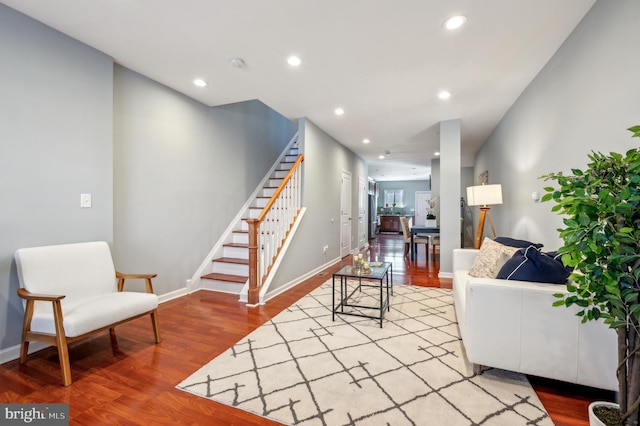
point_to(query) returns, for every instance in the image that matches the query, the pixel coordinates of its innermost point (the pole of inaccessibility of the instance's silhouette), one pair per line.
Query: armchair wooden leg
(63, 354)
(61, 343)
(26, 327)
(24, 351)
(156, 327)
(113, 337)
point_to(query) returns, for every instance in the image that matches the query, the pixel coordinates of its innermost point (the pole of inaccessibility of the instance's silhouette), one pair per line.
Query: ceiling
(383, 61)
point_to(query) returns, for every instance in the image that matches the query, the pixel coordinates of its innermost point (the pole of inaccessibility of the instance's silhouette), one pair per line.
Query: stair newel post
(253, 295)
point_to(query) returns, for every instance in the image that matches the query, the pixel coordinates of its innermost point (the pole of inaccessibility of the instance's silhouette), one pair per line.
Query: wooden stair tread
(226, 277)
(241, 245)
(240, 231)
(235, 260)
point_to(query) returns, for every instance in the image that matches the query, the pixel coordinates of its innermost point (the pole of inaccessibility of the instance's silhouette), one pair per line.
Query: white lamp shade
(483, 195)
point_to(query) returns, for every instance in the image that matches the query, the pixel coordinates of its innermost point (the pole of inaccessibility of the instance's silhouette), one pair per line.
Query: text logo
(34, 414)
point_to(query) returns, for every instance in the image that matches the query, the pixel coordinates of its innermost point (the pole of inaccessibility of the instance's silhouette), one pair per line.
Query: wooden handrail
(276, 194)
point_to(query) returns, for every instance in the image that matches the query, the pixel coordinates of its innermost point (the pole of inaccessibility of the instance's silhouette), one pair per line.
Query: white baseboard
(173, 295)
(13, 352)
(300, 279)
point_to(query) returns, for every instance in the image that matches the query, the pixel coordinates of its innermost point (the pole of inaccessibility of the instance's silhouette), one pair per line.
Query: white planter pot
(431, 223)
(593, 420)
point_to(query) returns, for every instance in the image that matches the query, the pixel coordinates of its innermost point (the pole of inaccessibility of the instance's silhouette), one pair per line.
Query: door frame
(363, 205)
(345, 213)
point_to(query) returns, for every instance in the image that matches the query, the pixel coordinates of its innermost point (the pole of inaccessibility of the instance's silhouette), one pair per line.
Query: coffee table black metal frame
(382, 274)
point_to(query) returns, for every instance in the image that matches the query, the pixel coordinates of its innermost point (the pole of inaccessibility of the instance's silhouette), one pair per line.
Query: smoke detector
(237, 62)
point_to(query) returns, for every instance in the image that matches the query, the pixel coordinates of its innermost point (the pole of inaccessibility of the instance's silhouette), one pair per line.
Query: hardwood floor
(134, 383)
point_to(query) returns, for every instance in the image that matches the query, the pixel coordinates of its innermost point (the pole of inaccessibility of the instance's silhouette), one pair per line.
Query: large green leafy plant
(601, 209)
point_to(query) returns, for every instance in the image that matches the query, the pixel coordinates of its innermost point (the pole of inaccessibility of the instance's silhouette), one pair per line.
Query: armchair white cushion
(71, 290)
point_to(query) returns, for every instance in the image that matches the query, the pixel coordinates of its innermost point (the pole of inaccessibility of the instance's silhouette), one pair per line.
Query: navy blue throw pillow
(512, 242)
(558, 258)
(530, 264)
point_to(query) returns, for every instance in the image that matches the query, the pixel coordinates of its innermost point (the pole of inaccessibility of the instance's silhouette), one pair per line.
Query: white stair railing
(268, 232)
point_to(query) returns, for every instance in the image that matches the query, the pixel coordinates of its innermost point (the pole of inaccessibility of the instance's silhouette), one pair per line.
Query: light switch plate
(85, 201)
(535, 196)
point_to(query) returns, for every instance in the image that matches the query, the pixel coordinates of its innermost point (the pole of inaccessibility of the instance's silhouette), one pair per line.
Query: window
(393, 198)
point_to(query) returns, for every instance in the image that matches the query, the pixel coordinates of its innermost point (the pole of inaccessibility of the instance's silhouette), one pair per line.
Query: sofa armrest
(513, 325)
(505, 317)
(463, 258)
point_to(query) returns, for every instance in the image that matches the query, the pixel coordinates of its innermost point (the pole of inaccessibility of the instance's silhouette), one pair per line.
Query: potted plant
(431, 217)
(601, 238)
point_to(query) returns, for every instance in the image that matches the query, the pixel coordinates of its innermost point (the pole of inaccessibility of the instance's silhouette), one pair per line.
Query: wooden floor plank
(134, 383)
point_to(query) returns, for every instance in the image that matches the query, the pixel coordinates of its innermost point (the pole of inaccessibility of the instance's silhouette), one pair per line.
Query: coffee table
(381, 276)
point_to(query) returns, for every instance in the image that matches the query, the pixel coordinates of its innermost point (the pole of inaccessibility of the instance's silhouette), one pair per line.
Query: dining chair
(406, 233)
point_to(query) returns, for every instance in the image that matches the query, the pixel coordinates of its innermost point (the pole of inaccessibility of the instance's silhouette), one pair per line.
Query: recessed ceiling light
(338, 111)
(444, 95)
(381, 157)
(294, 61)
(436, 153)
(455, 22)
(365, 141)
(200, 82)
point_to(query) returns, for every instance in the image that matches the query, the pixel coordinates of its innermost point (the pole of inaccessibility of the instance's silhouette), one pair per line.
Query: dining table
(415, 230)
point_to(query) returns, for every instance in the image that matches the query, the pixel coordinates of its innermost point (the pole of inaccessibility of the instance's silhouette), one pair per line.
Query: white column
(449, 194)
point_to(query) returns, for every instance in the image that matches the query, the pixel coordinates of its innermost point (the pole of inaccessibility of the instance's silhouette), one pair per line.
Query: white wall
(449, 201)
(583, 100)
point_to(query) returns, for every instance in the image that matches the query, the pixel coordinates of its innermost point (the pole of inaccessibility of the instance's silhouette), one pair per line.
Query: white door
(345, 215)
(422, 205)
(362, 212)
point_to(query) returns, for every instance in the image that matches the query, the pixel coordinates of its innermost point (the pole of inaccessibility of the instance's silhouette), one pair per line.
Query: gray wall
(182, 172)
(409, 197)
(166, 173)
(56, 143)
(325, 159)
(583, 100)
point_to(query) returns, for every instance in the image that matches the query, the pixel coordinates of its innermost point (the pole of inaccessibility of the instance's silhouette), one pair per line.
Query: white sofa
(512, 325)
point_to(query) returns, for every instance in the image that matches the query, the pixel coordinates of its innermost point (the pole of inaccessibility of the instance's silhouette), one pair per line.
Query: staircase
(230, 269)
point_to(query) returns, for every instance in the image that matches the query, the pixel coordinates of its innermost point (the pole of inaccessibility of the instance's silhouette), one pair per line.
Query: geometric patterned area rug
(302, 368)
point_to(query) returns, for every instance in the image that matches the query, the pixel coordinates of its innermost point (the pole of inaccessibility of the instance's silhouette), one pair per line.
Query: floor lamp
(484, 195)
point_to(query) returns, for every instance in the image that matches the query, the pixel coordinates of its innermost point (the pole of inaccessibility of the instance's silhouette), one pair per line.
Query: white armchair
(73, 290)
